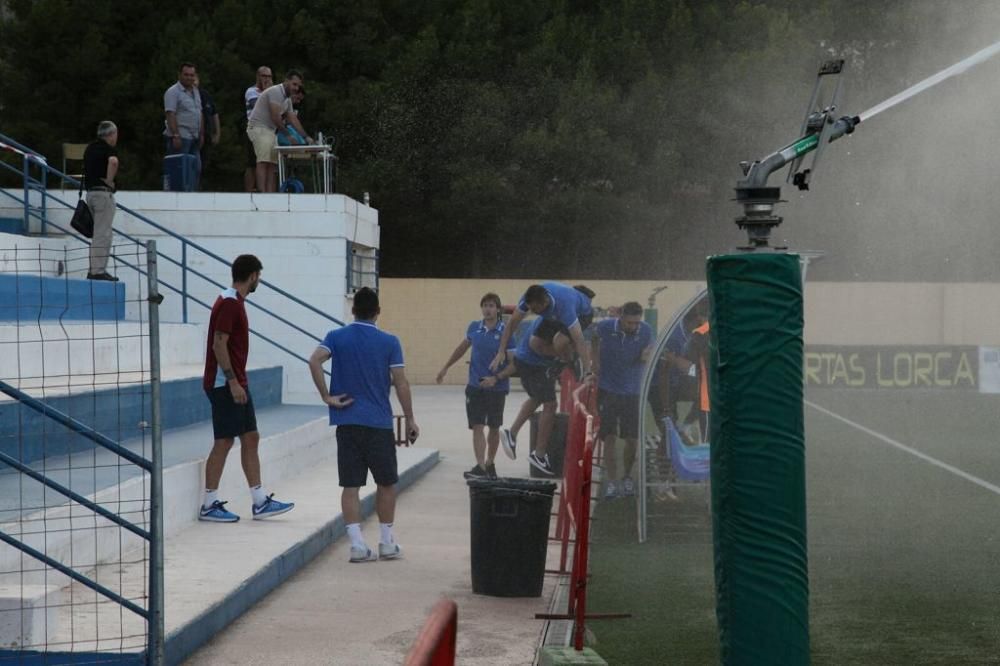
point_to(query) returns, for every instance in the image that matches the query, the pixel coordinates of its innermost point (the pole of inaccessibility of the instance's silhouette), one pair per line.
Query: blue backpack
(292, 186)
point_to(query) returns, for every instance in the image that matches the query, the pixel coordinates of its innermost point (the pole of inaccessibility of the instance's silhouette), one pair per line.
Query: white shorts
(264, 144)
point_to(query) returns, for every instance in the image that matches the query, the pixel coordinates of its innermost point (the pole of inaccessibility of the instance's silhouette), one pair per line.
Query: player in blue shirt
(621, 348)
(365, 362)
(537, 375)
(566, 312)
(485, 394)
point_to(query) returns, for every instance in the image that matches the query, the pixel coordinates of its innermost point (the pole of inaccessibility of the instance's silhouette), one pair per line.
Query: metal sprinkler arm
(818, 129)
(757, 173)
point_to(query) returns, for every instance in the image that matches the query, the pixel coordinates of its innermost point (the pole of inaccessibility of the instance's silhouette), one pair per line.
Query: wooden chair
(72, 152)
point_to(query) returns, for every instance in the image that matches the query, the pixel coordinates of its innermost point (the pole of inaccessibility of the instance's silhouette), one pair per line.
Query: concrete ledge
(567, 656)
(183, 641)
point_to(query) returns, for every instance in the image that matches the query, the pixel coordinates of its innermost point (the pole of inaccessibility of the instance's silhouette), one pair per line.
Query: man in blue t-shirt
(485, 394)
(365, 363)
(566, 312)
(621, 348)
(537, 373)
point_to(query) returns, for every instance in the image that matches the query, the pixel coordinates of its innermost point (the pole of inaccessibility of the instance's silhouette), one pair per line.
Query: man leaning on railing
(100, 166)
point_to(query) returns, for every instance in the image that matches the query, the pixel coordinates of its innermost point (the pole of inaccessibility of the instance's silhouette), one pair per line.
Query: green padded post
(758, 459)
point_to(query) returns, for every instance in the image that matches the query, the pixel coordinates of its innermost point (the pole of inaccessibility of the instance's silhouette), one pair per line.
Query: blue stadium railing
(33, 162)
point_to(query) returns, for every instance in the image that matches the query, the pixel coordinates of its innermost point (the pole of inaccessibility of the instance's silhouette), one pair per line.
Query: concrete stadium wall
(430, 315)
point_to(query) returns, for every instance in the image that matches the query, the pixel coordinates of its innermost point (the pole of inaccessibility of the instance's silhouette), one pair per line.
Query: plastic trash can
(510, 535)
(557, 445)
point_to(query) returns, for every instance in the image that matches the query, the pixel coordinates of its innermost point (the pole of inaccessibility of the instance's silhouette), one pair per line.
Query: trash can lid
(506, 486)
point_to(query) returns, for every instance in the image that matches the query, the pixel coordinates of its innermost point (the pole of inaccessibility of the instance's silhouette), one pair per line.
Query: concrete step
(70, 352)
(13, 225)
(116, 406)
(29, 297)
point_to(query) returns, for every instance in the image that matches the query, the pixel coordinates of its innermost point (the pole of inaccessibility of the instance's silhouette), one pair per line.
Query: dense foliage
(590, 138)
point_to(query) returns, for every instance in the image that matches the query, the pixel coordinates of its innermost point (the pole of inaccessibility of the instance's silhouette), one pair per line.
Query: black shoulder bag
(83, 219)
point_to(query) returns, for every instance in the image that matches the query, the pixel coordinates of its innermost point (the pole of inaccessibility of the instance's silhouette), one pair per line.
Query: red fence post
(581, 554)
(435, 644)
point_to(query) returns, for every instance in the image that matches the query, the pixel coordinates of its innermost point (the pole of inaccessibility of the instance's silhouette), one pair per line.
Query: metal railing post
(27, 189)
(184, 281)
(44, 183)
(154, 648)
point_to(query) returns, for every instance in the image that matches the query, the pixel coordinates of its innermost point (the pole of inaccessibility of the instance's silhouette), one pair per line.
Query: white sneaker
(389, 551)
(509, 443)
(363, 554)
(628, 487)
(541, 463)
(611, 490)
(666, 494)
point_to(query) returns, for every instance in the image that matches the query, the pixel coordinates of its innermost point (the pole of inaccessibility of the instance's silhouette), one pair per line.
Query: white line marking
(913, 452)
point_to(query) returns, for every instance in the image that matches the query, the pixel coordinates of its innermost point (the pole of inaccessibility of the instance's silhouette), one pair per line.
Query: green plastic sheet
(758, 459)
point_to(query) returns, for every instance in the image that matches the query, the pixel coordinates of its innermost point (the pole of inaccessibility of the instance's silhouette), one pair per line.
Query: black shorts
(619, 414)
(484, 407)
(536, 381)
(251, 153)
(230, 420)
(362, 448)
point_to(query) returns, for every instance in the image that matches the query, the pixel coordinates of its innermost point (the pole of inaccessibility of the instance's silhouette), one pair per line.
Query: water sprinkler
(818, 129)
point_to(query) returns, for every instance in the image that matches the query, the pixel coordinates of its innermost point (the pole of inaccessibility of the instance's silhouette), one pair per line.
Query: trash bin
(557, 445)
(510, 535)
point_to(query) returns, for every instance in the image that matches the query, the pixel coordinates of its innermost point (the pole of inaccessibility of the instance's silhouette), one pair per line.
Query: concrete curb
(183, 642)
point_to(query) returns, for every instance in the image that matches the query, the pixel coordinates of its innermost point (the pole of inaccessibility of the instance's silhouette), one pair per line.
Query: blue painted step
(34, 297)
(12, 225)
(116, 413)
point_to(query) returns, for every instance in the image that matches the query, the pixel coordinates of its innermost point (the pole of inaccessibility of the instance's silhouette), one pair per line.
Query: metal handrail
(185, 242)
(31, 156)
(11, 142)
(65, 178)
(169, 286)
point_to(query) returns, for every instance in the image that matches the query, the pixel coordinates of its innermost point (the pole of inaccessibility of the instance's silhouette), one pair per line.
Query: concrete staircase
(97, 372)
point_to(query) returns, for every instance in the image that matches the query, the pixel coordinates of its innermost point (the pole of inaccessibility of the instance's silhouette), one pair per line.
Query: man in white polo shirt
(266, 119)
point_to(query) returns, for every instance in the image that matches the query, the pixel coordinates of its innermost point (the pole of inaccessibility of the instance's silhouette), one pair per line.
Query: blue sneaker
(217, 513)
(271, 507)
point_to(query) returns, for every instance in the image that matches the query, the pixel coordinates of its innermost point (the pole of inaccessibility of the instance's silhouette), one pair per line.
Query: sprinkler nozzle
(845, 125)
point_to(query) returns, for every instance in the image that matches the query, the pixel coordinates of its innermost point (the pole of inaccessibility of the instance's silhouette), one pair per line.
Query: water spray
(818, 129)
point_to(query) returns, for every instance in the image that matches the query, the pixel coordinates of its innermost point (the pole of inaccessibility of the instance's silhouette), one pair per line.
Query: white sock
(211, 497)
(259, 495)
(386, 533)
(354, 533)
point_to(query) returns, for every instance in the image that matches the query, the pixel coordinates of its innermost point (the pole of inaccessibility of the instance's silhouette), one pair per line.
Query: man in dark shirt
(100, 166)
(225, 382)
(210, 121)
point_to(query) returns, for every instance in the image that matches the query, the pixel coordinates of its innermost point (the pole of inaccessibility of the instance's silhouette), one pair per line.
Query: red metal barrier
(573, 517)
(435, 644)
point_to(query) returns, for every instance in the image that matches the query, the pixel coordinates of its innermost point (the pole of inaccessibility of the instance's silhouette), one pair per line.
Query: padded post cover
(758, 459)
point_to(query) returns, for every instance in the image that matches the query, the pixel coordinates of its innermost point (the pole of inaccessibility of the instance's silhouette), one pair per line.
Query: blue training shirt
(524, 352)
(621, 356)
(360, 366)
(566, 304)
(485, 345)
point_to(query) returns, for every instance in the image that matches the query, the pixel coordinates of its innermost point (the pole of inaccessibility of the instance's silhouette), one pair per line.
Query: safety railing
(435, 644)
(151, 533)
(33, 161)
(573, 518)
